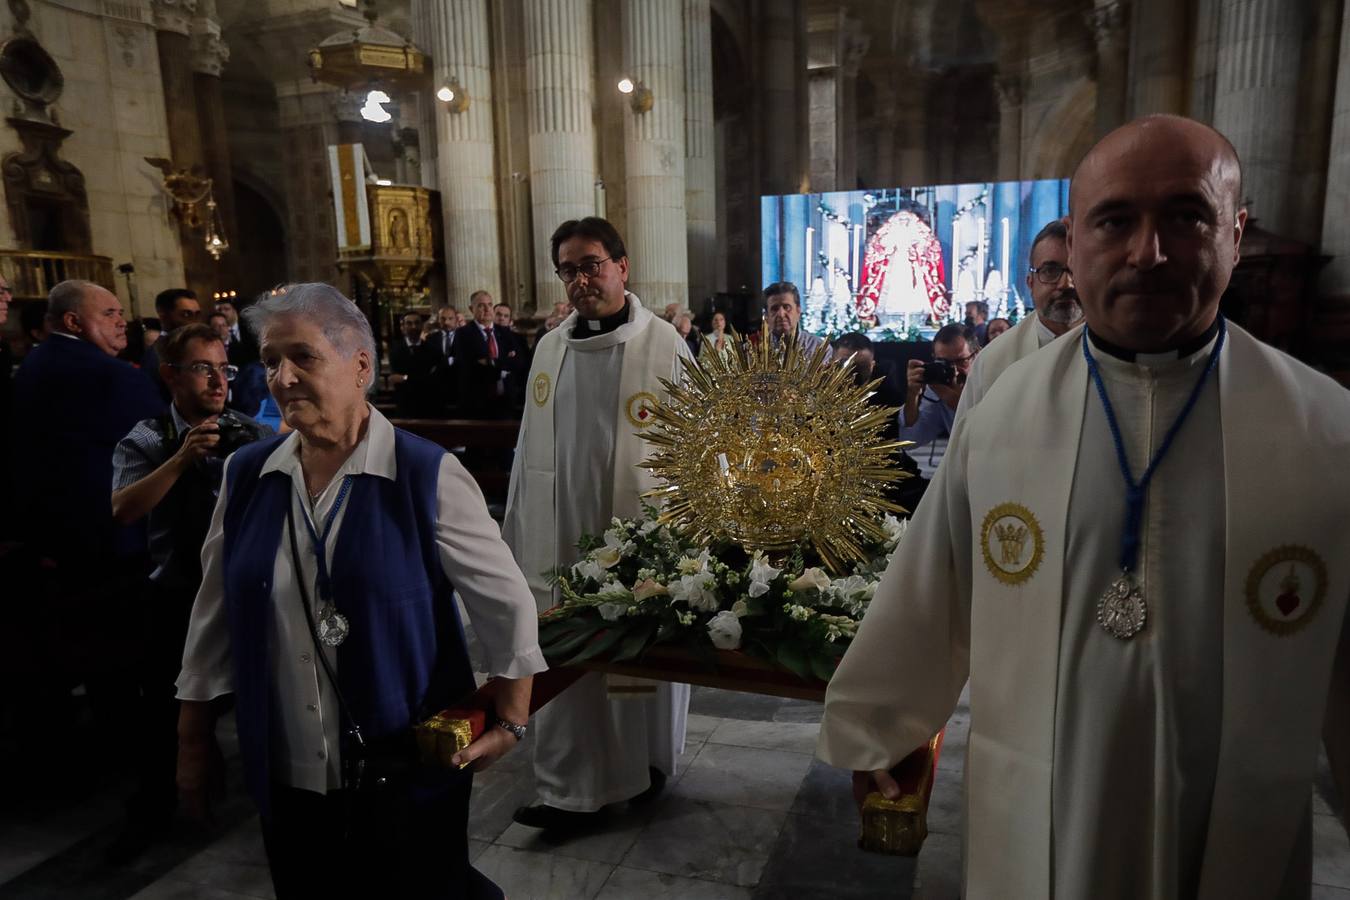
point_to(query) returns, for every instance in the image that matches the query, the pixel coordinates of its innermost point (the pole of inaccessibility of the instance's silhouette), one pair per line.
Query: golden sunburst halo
(769, 446)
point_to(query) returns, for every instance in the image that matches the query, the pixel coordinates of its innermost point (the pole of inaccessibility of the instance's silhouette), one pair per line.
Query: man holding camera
(935, 387)
(169, 469)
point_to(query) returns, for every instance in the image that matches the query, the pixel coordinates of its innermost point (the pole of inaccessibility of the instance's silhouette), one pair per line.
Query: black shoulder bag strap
(343, 709)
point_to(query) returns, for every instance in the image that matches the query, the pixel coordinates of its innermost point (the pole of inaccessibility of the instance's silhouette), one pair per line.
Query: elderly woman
(326, 610)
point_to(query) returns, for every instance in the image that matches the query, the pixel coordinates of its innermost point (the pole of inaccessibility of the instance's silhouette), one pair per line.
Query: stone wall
(113, 103)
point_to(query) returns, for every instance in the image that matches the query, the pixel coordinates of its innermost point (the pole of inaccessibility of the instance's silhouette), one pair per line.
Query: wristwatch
(517, 730)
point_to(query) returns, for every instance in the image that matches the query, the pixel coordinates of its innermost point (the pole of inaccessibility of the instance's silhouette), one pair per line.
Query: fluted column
(700, 164)
(456, 35)
(558, 77)
(780, 37)
(653, 42)
(1158, 50)
(173, 27)
(1256, 99)
(1335, 221)
(209, 56)
(1108, 23)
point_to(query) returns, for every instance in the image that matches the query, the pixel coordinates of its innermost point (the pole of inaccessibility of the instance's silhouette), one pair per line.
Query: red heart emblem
(1287, 602)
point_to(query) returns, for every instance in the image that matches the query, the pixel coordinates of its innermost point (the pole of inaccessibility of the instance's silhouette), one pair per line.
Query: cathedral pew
(472, 434)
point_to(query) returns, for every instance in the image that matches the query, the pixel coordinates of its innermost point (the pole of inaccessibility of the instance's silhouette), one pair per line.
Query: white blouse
(306, 717)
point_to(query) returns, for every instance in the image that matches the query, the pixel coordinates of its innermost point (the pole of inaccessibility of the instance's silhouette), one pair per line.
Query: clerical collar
(587, 328)
(1190, 348)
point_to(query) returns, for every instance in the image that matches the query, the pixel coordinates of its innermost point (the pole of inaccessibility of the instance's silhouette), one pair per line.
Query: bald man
(1150, 610)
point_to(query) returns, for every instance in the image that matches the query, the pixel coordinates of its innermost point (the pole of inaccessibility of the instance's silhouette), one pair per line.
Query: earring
(360, 382)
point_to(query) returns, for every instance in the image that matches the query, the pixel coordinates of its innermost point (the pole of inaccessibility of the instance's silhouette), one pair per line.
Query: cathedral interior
(414, 152)
(735, 100)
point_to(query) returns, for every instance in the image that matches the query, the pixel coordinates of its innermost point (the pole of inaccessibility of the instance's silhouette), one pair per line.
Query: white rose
(696, 591)
(612, 612)
(811, 578)
(725, 631)
(589, 568)
(761, 573)
(612, 589)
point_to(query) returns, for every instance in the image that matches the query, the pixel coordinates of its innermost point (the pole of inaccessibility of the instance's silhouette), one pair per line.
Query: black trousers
(404, 841)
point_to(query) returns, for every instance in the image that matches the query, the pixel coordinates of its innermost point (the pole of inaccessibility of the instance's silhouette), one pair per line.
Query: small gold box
(898, 827)
(445, 734)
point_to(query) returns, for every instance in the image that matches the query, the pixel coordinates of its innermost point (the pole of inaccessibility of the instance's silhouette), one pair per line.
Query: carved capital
(1107, 20)
(209, 52)
(1009, 88)
(174, 15)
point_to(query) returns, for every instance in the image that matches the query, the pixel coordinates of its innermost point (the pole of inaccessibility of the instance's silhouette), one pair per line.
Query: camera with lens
(233, 434)
(939, 371)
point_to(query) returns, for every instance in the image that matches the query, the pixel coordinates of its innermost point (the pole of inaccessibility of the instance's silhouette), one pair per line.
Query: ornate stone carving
(37, 173)
(174, 15)
(209, 52)
(1107, 20)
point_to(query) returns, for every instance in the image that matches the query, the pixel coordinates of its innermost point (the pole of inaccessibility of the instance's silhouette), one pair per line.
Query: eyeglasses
(4, 289)
(590, 268)
(206, 370)
(1050, 273)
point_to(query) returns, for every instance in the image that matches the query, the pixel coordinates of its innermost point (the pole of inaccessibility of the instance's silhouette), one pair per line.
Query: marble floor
(750, 815)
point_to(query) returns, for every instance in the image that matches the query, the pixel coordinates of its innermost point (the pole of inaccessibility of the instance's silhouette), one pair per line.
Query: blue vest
(405, 657)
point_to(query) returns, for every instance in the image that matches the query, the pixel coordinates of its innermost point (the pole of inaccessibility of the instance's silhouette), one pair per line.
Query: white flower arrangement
(641, 584)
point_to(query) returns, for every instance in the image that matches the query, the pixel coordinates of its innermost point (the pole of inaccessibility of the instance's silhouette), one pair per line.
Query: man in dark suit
(485, 356)
(73, 401)
(438, 360)
(175, 307)
(408, 366)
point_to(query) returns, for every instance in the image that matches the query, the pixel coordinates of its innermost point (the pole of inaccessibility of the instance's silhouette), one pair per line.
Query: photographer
(169, 468)
(935, 388)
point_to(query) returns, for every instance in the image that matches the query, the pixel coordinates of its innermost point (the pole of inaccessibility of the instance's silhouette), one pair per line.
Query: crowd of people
(178, 558)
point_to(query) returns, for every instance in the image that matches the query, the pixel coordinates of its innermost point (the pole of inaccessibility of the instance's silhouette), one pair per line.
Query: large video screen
(899, 263)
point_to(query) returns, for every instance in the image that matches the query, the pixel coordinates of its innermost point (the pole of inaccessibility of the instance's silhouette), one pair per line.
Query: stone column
(1204, 57)
(653, 42)
(558, 75)
(173, 24)
(209, 56)
(1256, 100)
(455, 34)
(1158, 50)
(1009, 88)
(1335, 222)
(780, 75)
(700, 164)
(1107, 21)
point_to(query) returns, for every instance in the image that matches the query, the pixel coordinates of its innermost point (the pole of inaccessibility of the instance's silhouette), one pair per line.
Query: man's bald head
(1155, 220)
(1181, 135)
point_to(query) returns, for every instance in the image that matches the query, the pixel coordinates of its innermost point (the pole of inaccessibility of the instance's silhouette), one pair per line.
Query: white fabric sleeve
(207, 669)
(480, 566)
(973, 392)
(903, 674)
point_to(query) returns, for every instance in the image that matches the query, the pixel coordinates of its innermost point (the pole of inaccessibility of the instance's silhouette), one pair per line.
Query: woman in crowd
(326, 610)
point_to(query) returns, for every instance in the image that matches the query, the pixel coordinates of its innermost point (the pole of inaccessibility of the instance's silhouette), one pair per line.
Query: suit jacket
(479, 374)
(435, 359)
(404, 360)
(72, 404)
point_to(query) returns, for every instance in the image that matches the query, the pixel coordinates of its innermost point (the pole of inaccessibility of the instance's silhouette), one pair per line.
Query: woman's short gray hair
(341, 320)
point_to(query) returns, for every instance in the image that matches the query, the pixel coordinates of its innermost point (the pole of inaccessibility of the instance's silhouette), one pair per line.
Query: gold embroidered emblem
(1012, 542)
(1285, 588)
(542, 386)
(641, 409)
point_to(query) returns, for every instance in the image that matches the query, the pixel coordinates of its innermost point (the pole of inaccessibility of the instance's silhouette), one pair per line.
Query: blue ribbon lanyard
(321, 542)
(1135, 491)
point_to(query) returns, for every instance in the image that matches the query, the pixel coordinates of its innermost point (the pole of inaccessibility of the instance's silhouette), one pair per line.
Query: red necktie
(492, 344)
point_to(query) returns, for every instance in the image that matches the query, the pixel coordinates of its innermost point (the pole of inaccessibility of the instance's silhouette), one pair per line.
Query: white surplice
(1177, 763)
(575, 470)
(1018, 342)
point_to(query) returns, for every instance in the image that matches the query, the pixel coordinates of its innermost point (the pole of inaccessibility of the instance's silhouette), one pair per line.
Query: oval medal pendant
(332, 627)
(1122, 611)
